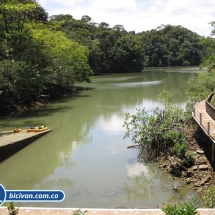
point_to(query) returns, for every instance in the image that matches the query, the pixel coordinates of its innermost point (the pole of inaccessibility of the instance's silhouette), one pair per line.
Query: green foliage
(158, 130)
(33, 59)
(180, 148)
(111, 49)
(11, 209)
(209, 197)
(67, 59)
(213, 26)
(186, 63)
(209, 63)
(18, 80)
(208, 51)
(188, 159)
(201, 84)
(186, 208)
(171, 46)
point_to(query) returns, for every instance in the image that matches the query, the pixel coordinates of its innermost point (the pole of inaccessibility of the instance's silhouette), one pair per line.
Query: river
(85, 155)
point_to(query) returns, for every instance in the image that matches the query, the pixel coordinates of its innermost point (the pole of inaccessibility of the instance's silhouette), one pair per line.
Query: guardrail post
(213, 153)
(200, 118)
(209, 127)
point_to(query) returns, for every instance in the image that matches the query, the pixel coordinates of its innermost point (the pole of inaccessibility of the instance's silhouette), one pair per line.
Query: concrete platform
(90, 211)
(11, 142)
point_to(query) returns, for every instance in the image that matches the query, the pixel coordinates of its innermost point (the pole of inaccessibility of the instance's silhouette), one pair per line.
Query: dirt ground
(199, 176)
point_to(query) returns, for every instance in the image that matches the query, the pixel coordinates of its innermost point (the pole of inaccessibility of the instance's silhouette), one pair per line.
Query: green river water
(85, 155)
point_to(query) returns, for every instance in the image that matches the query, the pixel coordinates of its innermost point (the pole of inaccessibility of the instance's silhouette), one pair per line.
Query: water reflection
(112, 124)
(137, 84)
(135, 169)
(154, 192)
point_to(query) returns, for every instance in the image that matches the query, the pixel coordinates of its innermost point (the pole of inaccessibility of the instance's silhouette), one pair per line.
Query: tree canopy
(33, 58)
(171, 46)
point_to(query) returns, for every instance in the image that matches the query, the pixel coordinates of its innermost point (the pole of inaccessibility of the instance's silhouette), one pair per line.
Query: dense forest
(47, 55)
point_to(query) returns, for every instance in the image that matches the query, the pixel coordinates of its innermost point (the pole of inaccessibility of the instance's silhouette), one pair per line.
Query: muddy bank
(17, 108)
(201, 174)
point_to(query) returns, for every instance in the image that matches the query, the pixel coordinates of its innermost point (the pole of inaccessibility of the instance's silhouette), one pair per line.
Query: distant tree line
(116, 50)
(110, 49)
(41, 55)
(171, 46)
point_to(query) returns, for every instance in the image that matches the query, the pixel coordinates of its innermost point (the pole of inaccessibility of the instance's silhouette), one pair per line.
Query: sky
(139, 15)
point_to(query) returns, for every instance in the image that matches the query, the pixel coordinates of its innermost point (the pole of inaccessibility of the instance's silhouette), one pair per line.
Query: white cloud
(69, 3)
(114, 5)
(140, 15)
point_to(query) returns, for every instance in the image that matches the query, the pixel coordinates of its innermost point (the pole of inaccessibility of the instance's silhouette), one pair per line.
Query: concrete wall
(13, 147)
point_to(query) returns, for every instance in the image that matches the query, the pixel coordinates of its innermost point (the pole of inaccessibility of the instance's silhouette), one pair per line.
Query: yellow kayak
(31, 129)
(41, 128)
(16, 130)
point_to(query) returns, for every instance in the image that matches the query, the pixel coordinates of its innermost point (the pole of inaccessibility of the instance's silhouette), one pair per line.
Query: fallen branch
(133, 146)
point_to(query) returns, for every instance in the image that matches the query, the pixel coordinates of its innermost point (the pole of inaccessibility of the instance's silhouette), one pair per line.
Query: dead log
(133, 146)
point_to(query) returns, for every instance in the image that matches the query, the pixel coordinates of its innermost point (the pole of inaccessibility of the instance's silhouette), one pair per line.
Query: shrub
(188, 160)
(180, 148)
(201, 84)
(186, 208)
(158, 130)
(11, 209)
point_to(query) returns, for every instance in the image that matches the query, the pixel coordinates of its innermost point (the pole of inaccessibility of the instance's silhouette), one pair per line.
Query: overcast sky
(139, 15)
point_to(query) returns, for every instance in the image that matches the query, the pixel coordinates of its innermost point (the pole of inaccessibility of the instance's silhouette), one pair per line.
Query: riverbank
(21, 107)
(18, 108)
(199, 176)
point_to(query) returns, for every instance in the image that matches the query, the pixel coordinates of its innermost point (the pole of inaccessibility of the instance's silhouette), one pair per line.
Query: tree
(86, 19)
(208, 47)
(127, 54)
(19, 81)
(213, 26)
(104, 26)
(67, 60)
(14, 15)
(171, 46)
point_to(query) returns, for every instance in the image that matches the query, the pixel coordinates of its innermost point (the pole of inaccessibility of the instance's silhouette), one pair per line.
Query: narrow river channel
(85, 155)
